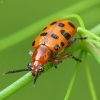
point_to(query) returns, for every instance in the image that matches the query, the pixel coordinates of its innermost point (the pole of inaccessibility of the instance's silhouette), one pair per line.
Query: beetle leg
(71, 56)
(56, 61)
(74, 39)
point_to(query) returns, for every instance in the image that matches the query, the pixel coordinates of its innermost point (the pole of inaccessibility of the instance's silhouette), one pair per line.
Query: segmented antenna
(35, 78)
(16, 71)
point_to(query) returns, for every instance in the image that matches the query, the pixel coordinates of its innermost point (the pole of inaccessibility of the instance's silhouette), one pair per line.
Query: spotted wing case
(56, 35)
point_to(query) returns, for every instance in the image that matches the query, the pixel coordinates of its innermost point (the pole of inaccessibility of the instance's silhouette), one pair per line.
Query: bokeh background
(52, 85)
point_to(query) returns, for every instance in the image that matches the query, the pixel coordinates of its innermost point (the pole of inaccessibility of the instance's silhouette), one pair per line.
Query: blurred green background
(52, 85)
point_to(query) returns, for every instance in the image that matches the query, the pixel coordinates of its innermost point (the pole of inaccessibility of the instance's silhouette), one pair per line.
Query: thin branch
(90, 82)
(73, 78)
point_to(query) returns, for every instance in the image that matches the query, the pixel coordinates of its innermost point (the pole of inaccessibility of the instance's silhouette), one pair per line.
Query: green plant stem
(16, 86)
(20, 83)
(73, 79)
(96, 30)
(88, 33)
(89, 44)
(89, 47)
(77, 17)
(90, 82)
(94, 42)
(34, 28)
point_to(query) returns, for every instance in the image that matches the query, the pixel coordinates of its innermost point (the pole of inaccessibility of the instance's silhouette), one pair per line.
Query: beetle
(54, 38)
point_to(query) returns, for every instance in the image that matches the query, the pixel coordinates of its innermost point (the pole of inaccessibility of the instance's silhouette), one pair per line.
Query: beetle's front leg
(56, 62)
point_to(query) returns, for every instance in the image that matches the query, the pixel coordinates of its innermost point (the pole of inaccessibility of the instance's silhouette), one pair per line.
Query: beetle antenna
(15, 71)
(35, 78)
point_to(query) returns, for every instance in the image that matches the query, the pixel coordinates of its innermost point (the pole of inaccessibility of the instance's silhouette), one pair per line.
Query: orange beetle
(52, 40)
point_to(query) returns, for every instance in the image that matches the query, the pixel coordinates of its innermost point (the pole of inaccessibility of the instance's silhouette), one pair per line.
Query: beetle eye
(30, 66)
(40, 68)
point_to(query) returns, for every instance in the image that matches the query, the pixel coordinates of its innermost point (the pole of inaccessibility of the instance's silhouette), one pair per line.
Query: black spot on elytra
(44, 28)
(56, 47)
(62, 44)
(65, 34)
(33, 43)
(54, 36)
(53, 23)
(43, 34)
(71, 24)
(61, 25)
